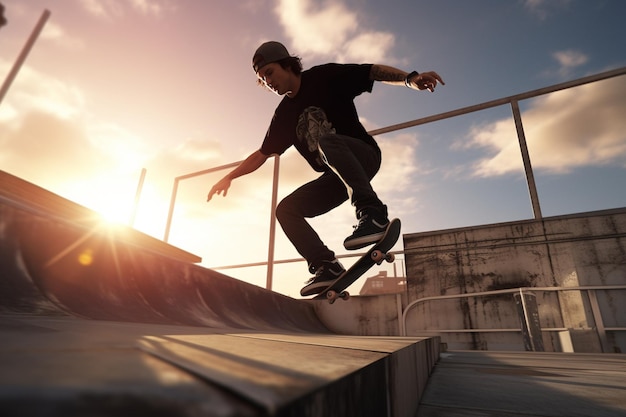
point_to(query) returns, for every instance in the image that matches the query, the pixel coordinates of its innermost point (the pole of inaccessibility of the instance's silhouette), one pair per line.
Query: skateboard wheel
(344, 295)
(390, 257)
(331, 296)
(377, 256)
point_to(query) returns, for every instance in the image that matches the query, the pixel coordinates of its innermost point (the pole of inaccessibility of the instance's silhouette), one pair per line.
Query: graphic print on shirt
(312, 125)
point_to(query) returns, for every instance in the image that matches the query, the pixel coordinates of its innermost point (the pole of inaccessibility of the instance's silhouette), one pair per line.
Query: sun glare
(113, 197)
(114, 212)
(147, 216)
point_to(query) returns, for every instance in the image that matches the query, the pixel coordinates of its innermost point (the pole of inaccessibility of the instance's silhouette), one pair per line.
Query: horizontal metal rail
(170, 213)
(294, 260)
(513, 330)
(597, 317)
(501, 101)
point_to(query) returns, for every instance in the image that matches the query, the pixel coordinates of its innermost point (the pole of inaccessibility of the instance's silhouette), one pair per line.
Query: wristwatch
(407, 80)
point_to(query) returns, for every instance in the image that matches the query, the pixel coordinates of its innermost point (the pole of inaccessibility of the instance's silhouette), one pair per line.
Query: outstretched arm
(250, 164)
(390, 75)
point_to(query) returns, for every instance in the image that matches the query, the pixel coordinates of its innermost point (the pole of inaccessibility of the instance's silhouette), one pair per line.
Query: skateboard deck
(376, 255)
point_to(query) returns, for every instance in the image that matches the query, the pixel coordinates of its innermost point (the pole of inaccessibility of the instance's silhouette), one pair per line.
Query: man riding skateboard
(317, 115)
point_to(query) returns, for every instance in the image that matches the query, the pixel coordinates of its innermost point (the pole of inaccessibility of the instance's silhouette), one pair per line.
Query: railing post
(270, 250)
(597, 320)
(530, 178)
(133, 215)
(170, 214)
(24, 53)
(529, 319)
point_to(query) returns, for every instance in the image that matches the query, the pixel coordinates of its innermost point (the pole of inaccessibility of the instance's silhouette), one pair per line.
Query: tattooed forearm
(387, 74)
(417, 81)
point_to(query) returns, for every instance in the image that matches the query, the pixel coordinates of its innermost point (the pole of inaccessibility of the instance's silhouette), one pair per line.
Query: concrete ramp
(102, 321)
(89, 269)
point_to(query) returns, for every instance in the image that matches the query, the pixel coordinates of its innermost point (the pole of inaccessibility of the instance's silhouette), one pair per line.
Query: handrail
(170, 214)
(270, 256)
(513, 101)
(510, 100)
(501, 101)
(597, 316)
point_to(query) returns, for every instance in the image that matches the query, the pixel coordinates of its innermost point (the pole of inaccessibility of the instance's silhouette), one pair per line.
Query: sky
(112, 87)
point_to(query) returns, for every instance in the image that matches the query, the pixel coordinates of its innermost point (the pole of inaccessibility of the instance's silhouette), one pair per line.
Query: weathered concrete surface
(587, 249)
(525, 384)
(64, 366)
(363, 315)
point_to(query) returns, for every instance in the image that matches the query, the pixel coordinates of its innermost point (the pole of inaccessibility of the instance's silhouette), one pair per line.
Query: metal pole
(22, 57)
(597, 320)
(530, 178)
(133, 215)
(527, 320)
(270, 251)
(171, 211)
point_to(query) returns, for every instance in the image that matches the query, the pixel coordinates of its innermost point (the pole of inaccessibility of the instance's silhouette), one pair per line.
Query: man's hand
(220, 187)
(250, 164)
(425, 81)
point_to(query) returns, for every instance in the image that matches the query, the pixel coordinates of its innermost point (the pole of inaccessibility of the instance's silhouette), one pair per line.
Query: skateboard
(376, 255)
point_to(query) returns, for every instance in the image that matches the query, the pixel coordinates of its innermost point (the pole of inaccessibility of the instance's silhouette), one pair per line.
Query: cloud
(34, 90)
(55, 33)
(49, 136)
(331, 29)
(114, 9)
(191, 156)
(543, 8)
(151, 7)
(396, 183)
(106, 9)
(399, 155)
(578, 127)
(58, 154)
(369, 47)
(569, 60)
(43, 146)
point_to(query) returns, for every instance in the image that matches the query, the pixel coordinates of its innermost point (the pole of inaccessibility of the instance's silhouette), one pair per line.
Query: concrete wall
(587, 249)
(371, 315)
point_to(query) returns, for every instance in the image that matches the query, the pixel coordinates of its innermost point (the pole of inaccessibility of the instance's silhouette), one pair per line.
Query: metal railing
(513, 101)
(600, 328)
(270, 256)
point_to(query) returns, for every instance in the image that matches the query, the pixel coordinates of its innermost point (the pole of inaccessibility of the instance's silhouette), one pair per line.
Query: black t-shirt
(324, 104)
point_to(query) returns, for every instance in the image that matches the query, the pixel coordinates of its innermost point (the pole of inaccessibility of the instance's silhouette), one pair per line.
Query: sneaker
(372, 226)
(325, 274)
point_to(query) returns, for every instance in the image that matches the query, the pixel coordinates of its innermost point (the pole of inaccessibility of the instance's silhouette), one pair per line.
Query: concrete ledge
(68, 366)
(17, 193)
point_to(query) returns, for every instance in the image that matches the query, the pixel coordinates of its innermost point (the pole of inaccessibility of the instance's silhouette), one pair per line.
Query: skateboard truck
(378, 254)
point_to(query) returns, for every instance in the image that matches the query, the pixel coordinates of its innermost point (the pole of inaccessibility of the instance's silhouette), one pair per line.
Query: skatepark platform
(101, 322)
(97, 321)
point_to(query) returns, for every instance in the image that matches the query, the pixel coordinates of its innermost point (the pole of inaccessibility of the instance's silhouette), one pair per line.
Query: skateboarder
(317, 115)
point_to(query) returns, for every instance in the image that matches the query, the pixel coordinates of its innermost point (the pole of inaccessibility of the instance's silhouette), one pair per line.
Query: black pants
(353, 163)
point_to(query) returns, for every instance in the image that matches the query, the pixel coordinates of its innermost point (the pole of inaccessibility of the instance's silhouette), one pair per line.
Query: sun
(114, 211)
(119, 201)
